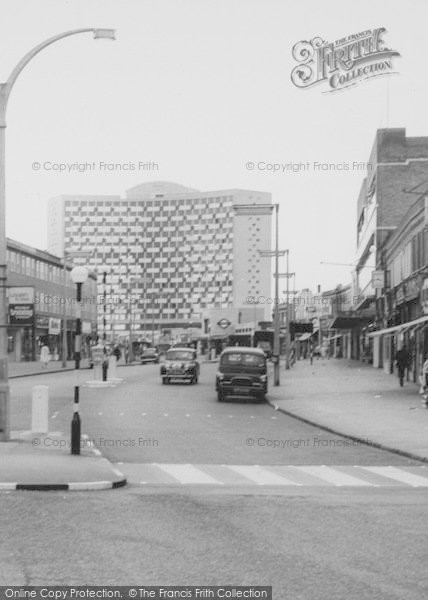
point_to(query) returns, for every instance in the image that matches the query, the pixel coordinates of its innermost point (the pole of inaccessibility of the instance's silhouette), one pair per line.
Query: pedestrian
(105, 364)
(424, 383)
(44, 356)
(311, 354)
(117, 353)
(402, 361)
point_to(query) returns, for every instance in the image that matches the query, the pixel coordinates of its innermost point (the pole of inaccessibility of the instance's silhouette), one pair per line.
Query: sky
(202, 88)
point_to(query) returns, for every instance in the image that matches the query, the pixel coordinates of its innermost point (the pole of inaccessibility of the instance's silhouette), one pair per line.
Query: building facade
(39, 297)
(397, 166)
(402, 303)
(170, 253)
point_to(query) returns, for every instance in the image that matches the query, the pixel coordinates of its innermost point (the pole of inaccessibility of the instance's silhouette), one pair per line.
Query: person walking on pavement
(44, 356)
(117, 353)
(402, 360)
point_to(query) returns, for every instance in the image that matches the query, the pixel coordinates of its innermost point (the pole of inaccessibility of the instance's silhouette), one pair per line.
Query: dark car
(242, 373)
(180, 364)
(150, 355)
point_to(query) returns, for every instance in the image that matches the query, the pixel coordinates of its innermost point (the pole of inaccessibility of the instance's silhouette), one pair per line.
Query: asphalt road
(328, 545)
(314, 541)
(143, 421)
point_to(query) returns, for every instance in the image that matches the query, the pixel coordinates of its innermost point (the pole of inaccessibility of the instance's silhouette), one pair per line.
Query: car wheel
(165, 380)
(220, 396)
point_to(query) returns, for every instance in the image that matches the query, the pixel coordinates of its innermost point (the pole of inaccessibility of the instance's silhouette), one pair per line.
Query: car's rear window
(243, 359)
(179, 355)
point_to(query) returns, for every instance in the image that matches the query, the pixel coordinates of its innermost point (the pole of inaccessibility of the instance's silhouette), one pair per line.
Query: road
(307, 534)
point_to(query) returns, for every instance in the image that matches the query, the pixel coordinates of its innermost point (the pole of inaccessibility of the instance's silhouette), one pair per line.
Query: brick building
(38, 296)
(397, 166)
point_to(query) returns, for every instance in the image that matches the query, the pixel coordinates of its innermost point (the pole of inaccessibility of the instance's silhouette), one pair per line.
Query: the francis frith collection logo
(342, 63)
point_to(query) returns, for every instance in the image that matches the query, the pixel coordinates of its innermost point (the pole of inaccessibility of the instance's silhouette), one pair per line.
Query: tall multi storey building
(170, 252)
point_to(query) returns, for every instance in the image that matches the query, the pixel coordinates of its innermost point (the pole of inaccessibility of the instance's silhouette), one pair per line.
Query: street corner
(42, 462)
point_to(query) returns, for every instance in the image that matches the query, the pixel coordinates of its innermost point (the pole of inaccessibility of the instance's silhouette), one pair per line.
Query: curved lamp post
(5, 89)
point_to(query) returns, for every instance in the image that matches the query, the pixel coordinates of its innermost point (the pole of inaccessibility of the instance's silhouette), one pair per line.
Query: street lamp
(267, 209)
(76, 254)
(134, 279)
(5, 89)
(287, 312)
(78, 275)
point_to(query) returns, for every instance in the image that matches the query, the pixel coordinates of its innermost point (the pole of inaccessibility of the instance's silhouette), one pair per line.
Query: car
(149, 355)
(242, 373)
(180, 364)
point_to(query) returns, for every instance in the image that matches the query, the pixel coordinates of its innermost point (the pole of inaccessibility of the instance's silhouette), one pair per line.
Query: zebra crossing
(160, 474)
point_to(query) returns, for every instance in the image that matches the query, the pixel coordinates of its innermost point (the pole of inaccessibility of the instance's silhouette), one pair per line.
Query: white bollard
(40, 409)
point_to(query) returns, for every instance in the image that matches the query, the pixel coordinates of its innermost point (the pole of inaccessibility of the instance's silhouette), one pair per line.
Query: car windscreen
(179, 355)
(243, 359)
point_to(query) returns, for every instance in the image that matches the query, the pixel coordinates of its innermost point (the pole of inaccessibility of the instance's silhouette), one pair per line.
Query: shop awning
(304, 337)
(349, 322)
(402, 327)
(365, 302)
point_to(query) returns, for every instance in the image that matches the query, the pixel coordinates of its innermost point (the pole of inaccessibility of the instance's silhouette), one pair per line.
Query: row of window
(412, 257)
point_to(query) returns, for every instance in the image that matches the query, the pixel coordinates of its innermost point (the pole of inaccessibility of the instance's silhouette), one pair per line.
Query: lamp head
(79, 274)
(104, 34)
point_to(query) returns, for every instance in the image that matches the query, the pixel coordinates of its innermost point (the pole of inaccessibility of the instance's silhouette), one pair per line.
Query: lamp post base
(75, 434)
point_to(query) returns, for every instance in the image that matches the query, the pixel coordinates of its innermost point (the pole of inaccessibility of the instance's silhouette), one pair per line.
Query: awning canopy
(365, 302)
(349, 322)
(399, 328)
(304, 337)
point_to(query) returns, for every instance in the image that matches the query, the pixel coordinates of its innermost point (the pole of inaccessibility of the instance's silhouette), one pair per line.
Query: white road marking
(165, 414)
(399, 475)
(265, 475)
(338, 478)
(186, 474)
(261, 476)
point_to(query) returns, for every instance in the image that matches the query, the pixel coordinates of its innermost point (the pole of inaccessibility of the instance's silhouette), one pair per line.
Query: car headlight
(263, 378)
(220, 376)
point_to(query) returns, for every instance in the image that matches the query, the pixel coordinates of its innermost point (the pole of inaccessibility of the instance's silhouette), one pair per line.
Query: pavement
(31, 461)
(356, 401)
(43, 462)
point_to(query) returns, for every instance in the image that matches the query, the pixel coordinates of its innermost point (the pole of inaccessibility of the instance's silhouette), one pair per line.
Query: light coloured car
(180, 364)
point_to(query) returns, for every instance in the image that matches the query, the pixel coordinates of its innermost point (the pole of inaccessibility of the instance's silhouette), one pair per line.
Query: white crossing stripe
(332, 476)
(188, 474)
(275, 475)
(399, 475)
(261, 476)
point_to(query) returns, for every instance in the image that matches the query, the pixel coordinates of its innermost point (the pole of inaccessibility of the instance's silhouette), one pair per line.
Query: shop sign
(412, 289)
(21, 295)
(378, 279)
(21, 314)
(42, 322)
(54, 326)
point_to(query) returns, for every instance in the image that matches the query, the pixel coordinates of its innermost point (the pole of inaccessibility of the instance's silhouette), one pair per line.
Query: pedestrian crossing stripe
(275, 475)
